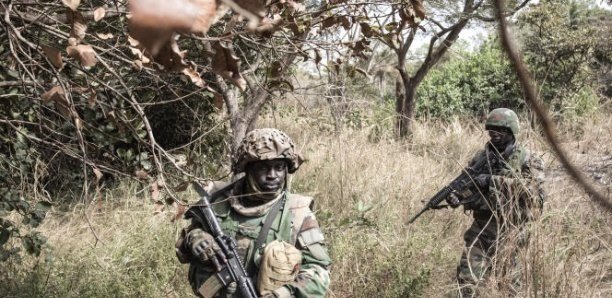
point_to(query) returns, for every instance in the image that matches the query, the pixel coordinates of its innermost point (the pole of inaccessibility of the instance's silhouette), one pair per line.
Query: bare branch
(532, 99)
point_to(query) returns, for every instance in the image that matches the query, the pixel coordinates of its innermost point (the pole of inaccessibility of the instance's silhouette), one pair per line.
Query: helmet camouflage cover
(503, 117)
(266, 144)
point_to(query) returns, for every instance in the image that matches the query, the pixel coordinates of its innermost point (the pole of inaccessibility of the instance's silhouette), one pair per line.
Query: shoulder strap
(263, 233)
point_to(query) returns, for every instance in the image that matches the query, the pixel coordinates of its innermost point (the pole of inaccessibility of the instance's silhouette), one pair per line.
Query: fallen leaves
(54, 55)
(85, 54)
(141, 174)
(99, 14)
(98, 174)
(194, 76)
(104, 36)
(57, 96)
(72, 4)
(79, 27)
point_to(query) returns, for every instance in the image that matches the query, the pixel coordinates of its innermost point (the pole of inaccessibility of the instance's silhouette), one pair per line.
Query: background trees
(93, 92)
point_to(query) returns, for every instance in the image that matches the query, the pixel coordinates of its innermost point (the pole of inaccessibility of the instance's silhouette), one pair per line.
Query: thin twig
(532, 99)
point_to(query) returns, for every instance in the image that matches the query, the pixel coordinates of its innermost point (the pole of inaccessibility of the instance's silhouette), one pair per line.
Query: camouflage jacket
(295, 223)
(515, 193)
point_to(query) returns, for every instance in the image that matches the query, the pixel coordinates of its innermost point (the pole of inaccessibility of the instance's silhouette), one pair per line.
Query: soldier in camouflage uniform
(509, 195)
(287, 259)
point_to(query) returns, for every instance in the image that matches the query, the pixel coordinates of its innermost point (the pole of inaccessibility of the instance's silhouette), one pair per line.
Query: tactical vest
(513, 165)
(245, 230)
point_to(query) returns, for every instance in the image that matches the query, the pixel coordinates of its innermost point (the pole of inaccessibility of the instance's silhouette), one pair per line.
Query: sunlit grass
(364, 191)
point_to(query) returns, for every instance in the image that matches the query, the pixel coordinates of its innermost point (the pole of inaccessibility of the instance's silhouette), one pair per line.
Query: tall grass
(364, 191)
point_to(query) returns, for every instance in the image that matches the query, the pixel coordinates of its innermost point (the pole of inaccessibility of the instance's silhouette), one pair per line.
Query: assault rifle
(460, 184)
(231, 269)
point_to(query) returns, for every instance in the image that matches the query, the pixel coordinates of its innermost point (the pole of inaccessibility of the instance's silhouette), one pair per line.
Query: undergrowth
(364, 191)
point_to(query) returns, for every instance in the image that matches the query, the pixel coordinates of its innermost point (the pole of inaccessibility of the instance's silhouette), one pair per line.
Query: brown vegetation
(364, 190)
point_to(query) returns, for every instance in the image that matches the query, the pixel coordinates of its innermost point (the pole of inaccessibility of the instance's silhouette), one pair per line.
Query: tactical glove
(231, 289)
(453, 200)
(282, 292)
(482, 180)
(204, 247)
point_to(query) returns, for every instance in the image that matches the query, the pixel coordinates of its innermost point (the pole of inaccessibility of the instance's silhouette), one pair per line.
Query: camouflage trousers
(485, 251)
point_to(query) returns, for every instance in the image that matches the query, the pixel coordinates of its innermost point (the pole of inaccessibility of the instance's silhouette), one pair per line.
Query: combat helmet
(266, 144)
(503, 117)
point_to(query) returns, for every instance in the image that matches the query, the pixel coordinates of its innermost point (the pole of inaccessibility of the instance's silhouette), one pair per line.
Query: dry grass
(364, 191)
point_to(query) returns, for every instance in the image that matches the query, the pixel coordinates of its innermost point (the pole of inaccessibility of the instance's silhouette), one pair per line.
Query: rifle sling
(263, 234)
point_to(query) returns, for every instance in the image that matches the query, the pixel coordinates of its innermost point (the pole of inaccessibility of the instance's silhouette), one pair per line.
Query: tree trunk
(239, 130)
(405, 91)
(400, 101)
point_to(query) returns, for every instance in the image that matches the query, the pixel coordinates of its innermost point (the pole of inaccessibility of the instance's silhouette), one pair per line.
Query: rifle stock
(231, 269)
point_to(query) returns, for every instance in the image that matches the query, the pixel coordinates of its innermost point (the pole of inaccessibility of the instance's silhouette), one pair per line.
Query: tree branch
(532, 99)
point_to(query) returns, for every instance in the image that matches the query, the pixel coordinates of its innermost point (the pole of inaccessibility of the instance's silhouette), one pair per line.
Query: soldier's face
(500, 136)
(268, 174)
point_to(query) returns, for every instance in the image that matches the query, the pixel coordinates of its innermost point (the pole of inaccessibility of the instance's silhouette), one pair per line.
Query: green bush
(471, 85)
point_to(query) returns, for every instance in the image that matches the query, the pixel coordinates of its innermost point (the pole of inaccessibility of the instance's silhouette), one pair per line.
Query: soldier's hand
(282, 292)
(453, 200)
(231, 289)
(482, 180)
(204, 247)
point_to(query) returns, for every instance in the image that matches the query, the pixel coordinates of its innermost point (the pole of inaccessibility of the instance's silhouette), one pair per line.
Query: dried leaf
(294, 6)
(171, 57)
(346, 23)
(79, 27)
(133, 42)
(328, 22)
(98, 174)
(159, 207)
(226, 64)
(141, 174)
(72, 4)
(182, 186)
(253, 10)
(180, 210)
(104, 36)
(138, 65)
(419, 9)
(78, 123)
(57, 95)
(218, 100)
(99, 13)
(280, 84)
(359, 47)
(92, 100)
(318, 57)
(193, 76)
(141, 57)
(267, 24)
(153, 22)
(54, 55)
(154, 191)
(85, 54)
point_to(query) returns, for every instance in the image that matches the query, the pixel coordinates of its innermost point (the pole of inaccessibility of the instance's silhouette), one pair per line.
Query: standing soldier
(277, 235)
(509, 195)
